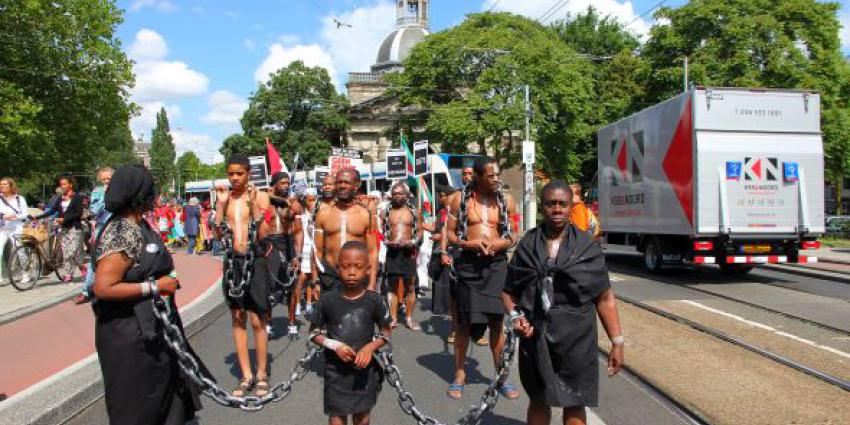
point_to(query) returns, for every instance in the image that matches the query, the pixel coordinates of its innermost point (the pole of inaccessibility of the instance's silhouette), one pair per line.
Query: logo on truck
(761, 169)
(627, 154)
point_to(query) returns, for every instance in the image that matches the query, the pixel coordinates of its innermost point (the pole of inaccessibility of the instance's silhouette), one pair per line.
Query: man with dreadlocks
(280, 260)
(482, 230)
(345, 221)
(239, 221)
(401, 234)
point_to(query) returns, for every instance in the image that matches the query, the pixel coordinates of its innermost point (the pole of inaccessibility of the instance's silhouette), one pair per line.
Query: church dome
(397, 46)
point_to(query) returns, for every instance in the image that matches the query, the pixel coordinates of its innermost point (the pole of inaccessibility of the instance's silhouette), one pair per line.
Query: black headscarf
(131, 188)
(278, 176)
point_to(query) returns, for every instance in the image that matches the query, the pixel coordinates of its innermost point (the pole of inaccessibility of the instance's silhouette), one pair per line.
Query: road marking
(616, 277)
(768, 328)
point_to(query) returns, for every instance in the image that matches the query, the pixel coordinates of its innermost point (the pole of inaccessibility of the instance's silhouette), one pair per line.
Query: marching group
(354, 259)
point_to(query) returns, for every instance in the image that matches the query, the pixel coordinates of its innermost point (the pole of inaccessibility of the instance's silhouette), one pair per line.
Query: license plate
(755, 249)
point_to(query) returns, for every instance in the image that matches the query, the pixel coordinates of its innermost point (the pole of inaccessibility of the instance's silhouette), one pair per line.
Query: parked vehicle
(838, 226)
(722, 176)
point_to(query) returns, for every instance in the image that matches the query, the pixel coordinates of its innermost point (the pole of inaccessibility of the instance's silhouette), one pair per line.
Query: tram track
(785, 361)
(693, 288)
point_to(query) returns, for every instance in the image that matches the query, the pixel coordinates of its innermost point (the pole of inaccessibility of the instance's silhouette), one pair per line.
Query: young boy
(349, 318)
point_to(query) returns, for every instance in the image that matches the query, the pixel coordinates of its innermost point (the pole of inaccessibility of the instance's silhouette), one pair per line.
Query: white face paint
(238, 222)
(343, 229)
(151, 248)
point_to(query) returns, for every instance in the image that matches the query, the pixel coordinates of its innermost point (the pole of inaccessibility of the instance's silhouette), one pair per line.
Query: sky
(202, 59)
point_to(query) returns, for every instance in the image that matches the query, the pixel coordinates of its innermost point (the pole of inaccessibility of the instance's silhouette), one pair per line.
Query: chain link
(190, 366)
(394, 378)
(237, 289)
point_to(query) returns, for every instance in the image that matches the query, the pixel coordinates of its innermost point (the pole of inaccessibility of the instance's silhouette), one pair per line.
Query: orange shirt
(580, 216)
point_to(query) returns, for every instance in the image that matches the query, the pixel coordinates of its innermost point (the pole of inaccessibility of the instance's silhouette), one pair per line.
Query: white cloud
(249, 44)
(204, 145)
(281, 56)
(225, 109)
(148, 45)
(158, 79)
(162, 5)
(231, 14)
(356, 48)
(340, 49)
(142, 124)
(623, 11)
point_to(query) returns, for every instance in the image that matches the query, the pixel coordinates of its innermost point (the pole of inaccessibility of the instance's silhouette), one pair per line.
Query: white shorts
(307, 259)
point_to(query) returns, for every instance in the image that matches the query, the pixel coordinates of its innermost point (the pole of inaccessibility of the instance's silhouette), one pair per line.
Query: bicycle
(34, 258)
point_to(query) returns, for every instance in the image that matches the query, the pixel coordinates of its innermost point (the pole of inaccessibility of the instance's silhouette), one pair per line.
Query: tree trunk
(839, 192)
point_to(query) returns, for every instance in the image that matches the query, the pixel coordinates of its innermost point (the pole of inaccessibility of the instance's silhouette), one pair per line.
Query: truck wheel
(735, 269)
(652, 256)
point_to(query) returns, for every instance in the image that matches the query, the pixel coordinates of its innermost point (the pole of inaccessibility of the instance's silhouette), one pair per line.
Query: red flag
(276, 163)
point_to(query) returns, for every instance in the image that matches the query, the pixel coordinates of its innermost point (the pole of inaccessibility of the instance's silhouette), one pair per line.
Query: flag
(276, 163)
(418, 182)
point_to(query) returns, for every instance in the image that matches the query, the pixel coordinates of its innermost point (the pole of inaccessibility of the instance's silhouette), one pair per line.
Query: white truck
(723, 176)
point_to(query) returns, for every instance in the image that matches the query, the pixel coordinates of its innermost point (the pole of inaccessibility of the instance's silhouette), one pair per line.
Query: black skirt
(401, 262)
(349, 390)
(558, 365)
(142, 382)
(478, 291)
(256, 296)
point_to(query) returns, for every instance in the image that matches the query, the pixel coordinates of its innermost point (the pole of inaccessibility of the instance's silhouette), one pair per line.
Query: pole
(685, 76)
(529, 206)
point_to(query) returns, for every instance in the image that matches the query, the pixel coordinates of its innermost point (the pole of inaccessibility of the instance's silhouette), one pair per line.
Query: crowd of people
(353, 265)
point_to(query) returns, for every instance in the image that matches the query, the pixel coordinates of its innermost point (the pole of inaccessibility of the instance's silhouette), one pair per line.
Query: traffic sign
(528, 152)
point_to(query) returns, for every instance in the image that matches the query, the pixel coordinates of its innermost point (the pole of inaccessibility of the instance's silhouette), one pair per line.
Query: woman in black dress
(559, 281)
(143, 384)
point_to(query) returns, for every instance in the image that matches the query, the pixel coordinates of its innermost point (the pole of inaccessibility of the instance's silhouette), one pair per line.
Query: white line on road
(767, 328)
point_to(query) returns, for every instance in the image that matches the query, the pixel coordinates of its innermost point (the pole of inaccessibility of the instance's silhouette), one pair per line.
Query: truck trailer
(725, 176)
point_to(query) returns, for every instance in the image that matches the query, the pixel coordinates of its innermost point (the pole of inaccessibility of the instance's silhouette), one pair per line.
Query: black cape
(558, 365)
(143, 384)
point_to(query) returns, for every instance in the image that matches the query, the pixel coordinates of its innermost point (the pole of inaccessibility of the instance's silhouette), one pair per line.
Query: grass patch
(835, 243)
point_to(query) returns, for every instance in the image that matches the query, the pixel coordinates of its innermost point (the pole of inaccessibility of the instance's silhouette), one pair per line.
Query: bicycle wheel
(24, 267)
(54, 255)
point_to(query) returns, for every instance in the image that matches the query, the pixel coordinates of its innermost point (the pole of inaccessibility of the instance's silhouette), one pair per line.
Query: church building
(373, 113)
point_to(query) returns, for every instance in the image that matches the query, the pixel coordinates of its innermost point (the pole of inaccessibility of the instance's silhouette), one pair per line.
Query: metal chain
(190, 366)
(237, 289)
(488, 400)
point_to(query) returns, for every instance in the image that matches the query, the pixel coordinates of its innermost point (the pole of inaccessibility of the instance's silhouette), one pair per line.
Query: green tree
(299, 110)
(758, 43)
(162, 151)
(188, 168)
(619, 74)
(469, 81)
(63, 87)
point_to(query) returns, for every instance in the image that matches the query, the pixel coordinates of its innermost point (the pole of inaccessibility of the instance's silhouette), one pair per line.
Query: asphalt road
(426, 363)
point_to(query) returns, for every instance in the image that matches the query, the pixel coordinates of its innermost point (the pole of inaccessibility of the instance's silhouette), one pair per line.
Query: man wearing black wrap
(483, 233)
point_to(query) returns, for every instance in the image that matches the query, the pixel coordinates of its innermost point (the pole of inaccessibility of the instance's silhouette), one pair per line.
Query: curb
(59, 398)
(33, 309)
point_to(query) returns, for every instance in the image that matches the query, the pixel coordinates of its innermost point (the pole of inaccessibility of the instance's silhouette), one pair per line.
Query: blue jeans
(193, 239)
(216, 246)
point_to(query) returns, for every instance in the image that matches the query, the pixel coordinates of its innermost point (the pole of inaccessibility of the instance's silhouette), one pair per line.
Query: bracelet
(154, 288)
(618, 340)
(146, 288)
(331, 344)
(381, 336)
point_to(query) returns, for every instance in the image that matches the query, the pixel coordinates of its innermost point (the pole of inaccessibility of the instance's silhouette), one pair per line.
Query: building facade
(374, 114)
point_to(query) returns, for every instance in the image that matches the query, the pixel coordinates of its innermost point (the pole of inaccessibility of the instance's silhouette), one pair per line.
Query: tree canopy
(63, 87)
(299, 110)
(469, 80)
(162, 151)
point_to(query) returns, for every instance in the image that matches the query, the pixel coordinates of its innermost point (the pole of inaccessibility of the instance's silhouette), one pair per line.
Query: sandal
(455, 391)
(245, 385)
(508, 391)
(412, 325)
(261, 387)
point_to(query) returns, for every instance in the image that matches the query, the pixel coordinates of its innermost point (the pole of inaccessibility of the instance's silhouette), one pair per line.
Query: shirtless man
(345, 221)
(325, 200)
(246, 296)
(284, 241)
(482, 229)
(402, 229)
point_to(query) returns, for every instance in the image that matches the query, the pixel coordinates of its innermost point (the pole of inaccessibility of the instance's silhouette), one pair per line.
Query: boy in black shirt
(349, 318)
